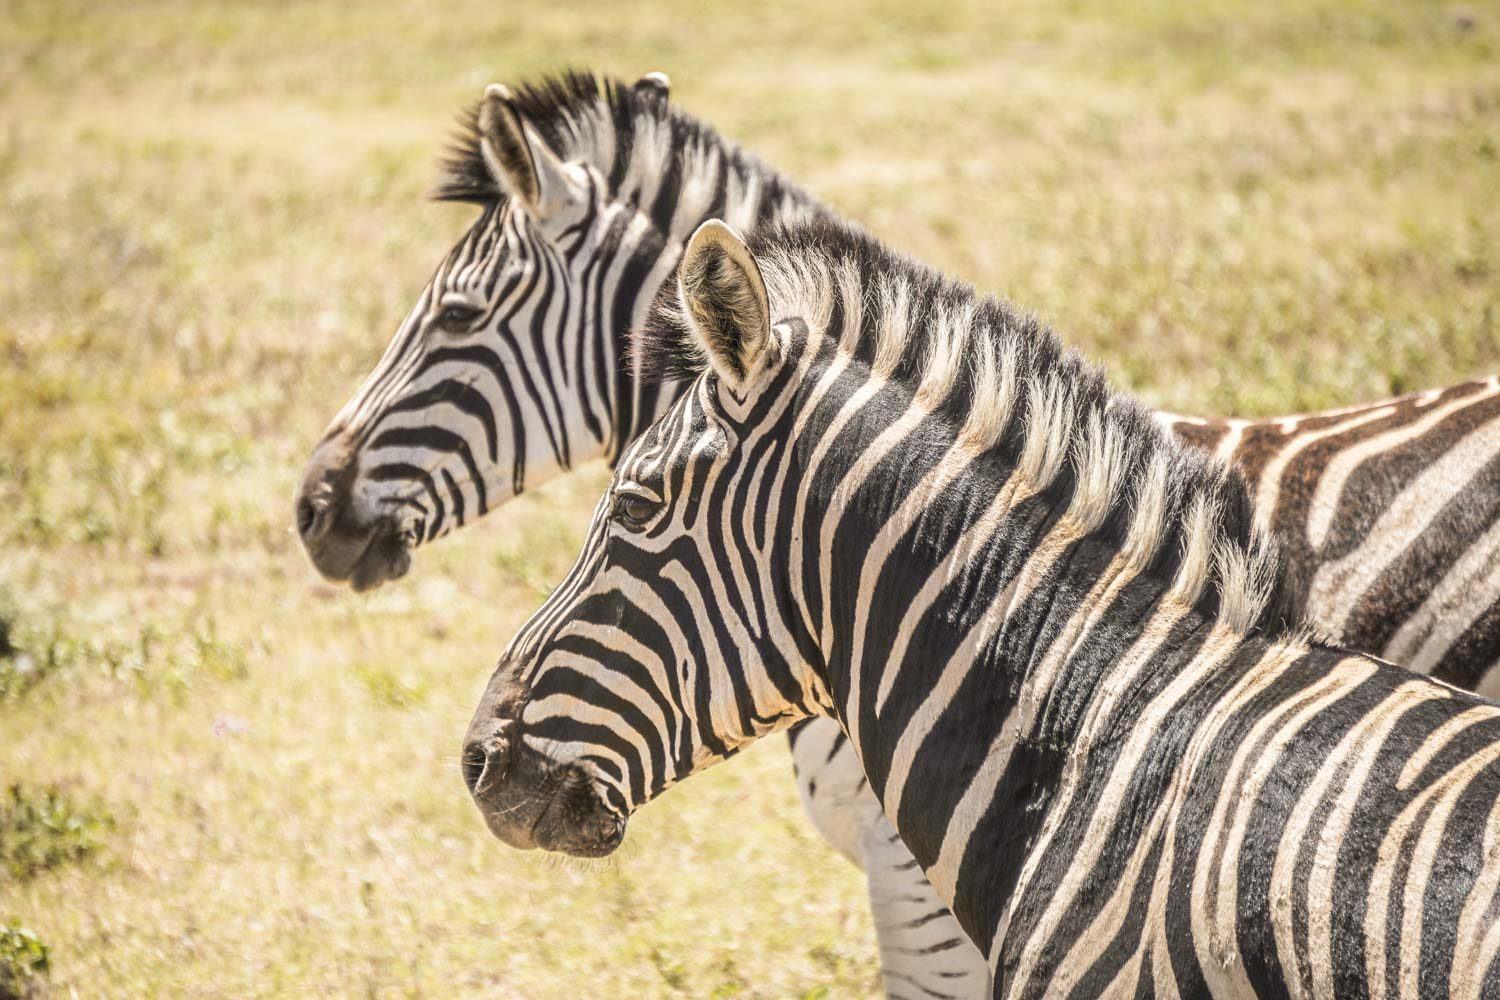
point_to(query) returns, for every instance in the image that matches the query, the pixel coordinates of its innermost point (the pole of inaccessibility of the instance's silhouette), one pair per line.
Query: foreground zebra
(1056, 642)
(507, 371)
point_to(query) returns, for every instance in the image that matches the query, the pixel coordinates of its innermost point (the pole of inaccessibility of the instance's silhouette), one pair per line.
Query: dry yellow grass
(211, 222)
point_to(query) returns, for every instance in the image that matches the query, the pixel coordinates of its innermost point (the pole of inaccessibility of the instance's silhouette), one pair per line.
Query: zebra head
(504, 372)
(672, 642)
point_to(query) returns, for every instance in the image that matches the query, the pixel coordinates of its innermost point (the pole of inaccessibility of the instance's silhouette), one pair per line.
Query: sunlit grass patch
(391, 688)
(145, 657)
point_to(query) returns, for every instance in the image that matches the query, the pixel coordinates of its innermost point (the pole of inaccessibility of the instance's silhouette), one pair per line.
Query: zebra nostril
(486, 756)
(307, 517)
(474, 760)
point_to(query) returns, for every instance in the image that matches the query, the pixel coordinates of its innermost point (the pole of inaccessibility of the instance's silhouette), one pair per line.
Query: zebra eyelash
(635, 511)
(456, 315)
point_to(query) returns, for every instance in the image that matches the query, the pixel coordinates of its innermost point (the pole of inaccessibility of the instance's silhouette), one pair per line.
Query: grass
(24, 962)
(210, 223)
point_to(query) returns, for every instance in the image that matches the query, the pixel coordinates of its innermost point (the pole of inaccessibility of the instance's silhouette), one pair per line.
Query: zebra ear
(517, 158)
(655, 83)
(724, 298)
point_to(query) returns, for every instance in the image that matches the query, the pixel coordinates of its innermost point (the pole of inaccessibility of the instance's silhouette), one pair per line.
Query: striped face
(670, 644)
(666, 649)
(501, 376)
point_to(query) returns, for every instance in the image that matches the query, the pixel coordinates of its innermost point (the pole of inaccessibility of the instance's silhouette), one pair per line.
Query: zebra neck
(1001, 719)
(710, 179)
(972, 651)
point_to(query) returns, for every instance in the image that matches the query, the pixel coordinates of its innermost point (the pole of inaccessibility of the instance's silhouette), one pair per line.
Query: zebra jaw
(536, 803)
(364, 555)
(349, 536)
(527, 795)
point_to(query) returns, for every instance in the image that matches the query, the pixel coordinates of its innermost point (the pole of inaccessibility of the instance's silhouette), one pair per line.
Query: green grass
(44, 828)
(24, 962)
(210, 223)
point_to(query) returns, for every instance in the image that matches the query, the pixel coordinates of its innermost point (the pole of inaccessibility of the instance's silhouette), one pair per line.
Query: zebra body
(1384, 479)
(1054, 637)
(1388, 517)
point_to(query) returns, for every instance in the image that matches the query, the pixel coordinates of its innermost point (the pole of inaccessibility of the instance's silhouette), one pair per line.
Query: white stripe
(1383, 881)
(1466, 591)
(1478, 939)
(1268, 490)
(1363, 742)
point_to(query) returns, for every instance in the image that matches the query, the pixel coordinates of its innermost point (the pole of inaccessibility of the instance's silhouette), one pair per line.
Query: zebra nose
(312, 518)
(486, 755)
(324, 489)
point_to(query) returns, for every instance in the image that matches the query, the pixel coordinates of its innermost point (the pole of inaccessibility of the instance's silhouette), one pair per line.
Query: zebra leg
(923, 952)
(833, 786)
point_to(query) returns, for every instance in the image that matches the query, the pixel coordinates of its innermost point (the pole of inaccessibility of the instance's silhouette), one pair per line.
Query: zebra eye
(635, 511)
(457, 318)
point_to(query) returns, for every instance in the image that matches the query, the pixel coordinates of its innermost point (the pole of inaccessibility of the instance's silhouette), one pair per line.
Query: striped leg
(923, 951)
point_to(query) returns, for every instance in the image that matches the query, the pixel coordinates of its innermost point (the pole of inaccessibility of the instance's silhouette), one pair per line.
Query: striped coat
(1388, 516)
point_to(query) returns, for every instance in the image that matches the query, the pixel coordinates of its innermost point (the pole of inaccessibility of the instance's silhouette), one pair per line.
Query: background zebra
(1388, 517)
(507, 370)
(504, 374)
(1054, 636)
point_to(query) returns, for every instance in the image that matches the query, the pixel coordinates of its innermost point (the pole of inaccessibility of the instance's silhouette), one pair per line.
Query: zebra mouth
(350, 536)
(528, 801)
(363, 555)
(576, 822)
(387, 556)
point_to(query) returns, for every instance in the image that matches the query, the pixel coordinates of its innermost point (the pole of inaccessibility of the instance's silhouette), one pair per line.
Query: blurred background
(222, 777)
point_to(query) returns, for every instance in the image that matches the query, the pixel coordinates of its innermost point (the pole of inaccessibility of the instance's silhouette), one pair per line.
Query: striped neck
(980, 634)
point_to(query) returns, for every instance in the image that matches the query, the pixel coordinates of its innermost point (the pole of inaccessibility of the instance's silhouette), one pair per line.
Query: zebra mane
(634, 135)
(1007, 384)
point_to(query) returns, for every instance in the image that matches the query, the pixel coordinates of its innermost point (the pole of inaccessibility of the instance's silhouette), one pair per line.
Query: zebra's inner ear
(519, 160)
(724, 298)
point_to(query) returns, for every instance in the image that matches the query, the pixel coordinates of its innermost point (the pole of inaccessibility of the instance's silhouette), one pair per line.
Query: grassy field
(221, 777)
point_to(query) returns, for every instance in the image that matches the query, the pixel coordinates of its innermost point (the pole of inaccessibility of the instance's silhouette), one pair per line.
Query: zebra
(450, 426)
(508, 370)
(1399, 498)
(1056, 638)
(1388, 518)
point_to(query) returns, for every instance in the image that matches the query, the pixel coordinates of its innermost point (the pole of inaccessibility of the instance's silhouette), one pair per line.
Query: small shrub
(24, 963)
(46, 828)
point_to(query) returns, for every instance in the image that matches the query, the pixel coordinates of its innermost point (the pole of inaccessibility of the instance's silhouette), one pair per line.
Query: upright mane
(634, 135)
(1009, 388)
